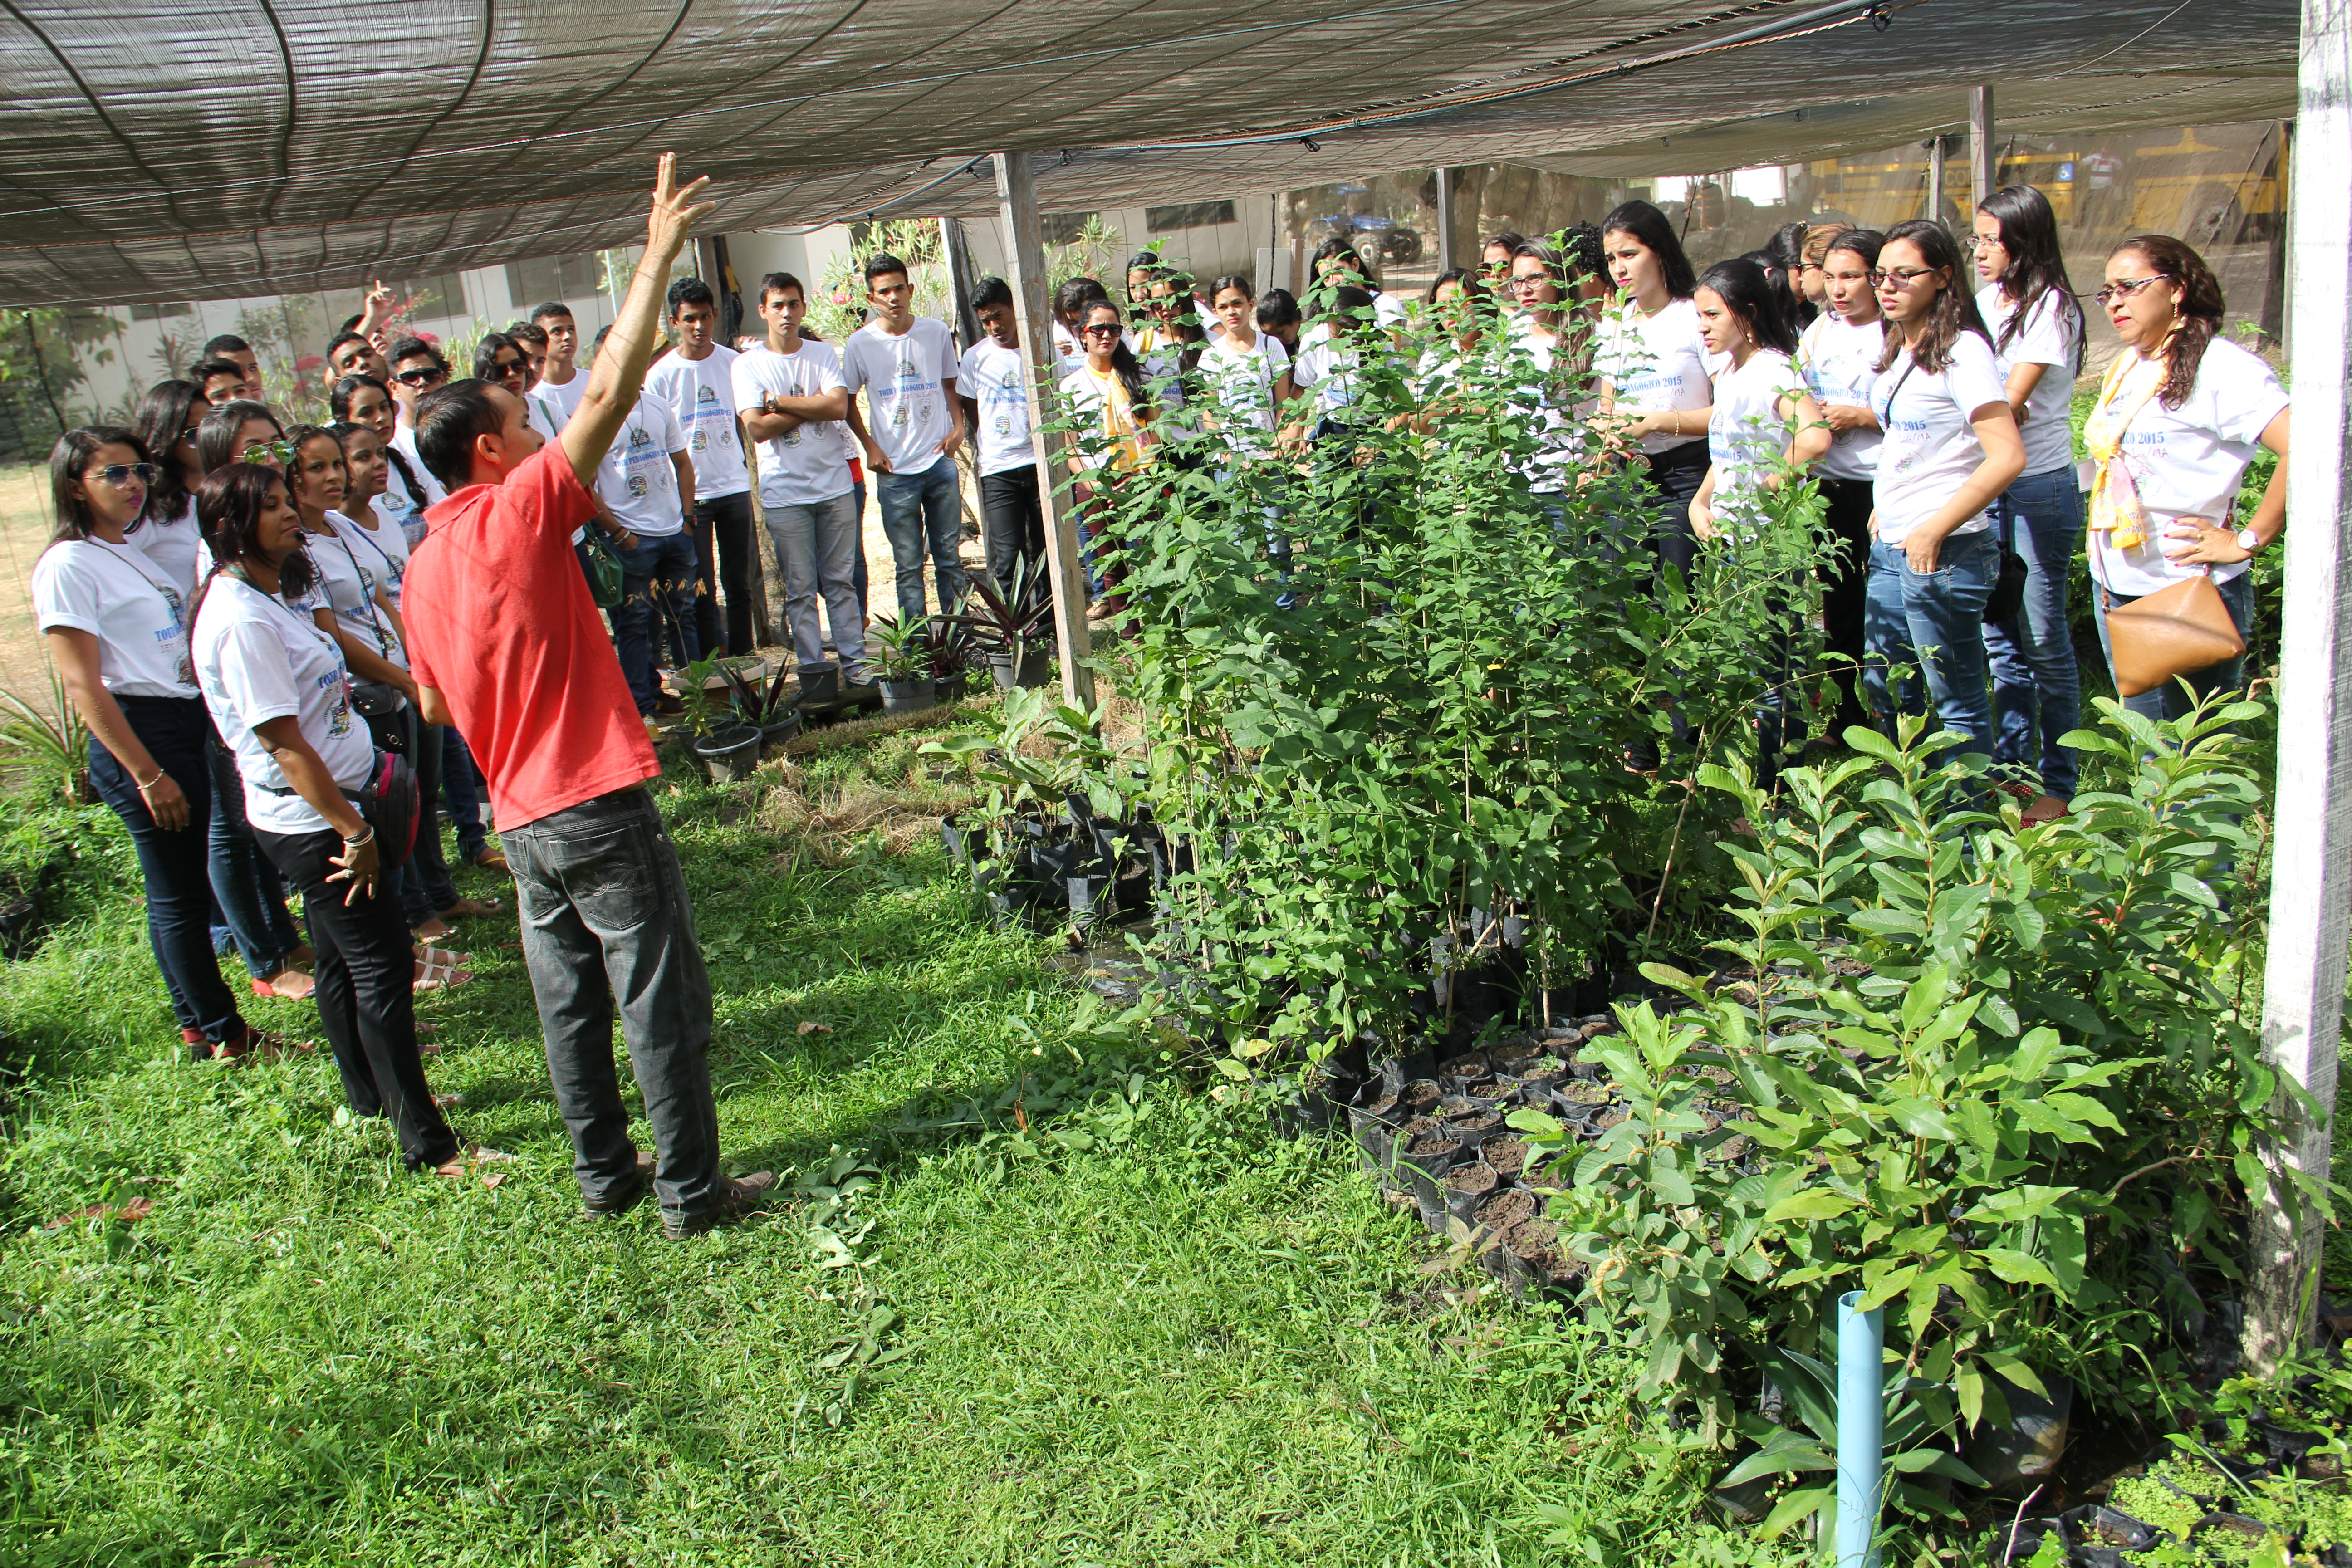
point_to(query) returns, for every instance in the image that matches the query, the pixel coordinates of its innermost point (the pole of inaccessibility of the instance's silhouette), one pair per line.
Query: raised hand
(675, 211)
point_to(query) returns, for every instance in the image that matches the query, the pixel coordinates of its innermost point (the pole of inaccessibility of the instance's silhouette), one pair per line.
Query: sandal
(289, 982)
(432, 930)
(435, 976)
(442, 956)
(468, 909)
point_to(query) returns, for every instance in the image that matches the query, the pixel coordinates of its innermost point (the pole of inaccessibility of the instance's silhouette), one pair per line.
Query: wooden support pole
(1983, 171)
(1444, 218)
(1017, 185)
(2311, 862)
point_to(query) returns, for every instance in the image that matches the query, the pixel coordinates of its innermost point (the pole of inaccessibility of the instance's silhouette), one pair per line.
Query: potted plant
(896, 650)
(1016, 632)
(948, 645)
(724, 746)
(767, 707)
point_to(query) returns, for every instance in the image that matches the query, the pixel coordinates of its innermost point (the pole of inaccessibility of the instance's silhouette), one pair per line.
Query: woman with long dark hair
(1949, 446)
(1765, 425)
(167, 424)
(1838, 356)
(2180, 414)
(1656, 387)
(364, 401)
(1110, 393)
(1548, 327)
(115, 626)
(1787, 250)
(1494, 258)
(1338, 264)
(2037, 334)
(279, 691)
(238, 431)
(1247, 371)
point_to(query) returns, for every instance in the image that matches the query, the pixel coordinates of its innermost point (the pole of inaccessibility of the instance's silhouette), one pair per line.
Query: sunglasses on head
(431, 376)
(120, 474)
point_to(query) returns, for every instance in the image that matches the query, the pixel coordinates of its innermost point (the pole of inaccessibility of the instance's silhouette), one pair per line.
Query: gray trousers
(816, 551)
(605, 914)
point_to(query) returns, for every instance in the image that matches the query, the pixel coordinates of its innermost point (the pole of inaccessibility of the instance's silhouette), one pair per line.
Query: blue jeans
(865, 589)
(249, 901)
(658, 577)
(923, 511)
(1935, 624)
(461, 788)
(425, 888)
(815, 544)
(175, 865)
(2168, 700)
(2036, 684)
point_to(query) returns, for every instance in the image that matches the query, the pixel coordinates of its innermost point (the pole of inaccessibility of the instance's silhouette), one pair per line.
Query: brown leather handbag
(2175, 631)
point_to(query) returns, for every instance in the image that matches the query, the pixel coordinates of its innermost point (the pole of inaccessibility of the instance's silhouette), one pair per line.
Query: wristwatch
(2249, 541)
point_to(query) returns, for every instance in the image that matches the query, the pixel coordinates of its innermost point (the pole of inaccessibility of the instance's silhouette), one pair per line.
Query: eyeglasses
(2125, 288)
(431, 376)
(262, 451)
(121, 474)
(1522, 285)
(1900, 277)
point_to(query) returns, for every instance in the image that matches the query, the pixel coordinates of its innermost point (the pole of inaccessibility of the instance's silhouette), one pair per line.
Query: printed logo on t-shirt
(637, 486)
(699, 442)
(704, 394)
(338, 712)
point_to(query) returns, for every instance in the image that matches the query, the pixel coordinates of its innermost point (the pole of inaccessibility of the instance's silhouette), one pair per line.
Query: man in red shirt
(506, 644)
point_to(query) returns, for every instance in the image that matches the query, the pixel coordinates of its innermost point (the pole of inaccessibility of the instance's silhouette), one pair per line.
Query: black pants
(726, 519)
(175, 865)
(1014, 509)
(1845, 579)
(425, 887)
(365, 969)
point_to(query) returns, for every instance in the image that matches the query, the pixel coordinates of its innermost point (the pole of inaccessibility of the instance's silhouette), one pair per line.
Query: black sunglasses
(432, 376)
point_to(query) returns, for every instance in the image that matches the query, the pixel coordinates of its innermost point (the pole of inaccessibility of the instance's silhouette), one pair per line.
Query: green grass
(1189, 1342)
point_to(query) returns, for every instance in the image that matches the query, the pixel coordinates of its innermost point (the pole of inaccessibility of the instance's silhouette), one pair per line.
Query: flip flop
(289, 982)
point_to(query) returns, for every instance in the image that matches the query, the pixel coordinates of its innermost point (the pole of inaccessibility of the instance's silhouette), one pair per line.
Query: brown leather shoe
(737, 1195)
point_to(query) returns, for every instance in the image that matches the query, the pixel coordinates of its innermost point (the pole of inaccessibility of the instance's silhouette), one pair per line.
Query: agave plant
(34, 743)
(1007, 626)
(761, 705)
(948, 643)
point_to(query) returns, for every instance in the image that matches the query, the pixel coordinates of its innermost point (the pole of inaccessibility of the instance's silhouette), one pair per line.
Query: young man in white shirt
(561, 382)
(418, 368)
(993, 384)
(647, 482)
(793, 399)
(696, 379)
(907, 367)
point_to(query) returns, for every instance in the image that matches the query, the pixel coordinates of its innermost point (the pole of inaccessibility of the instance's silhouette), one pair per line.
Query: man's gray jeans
(816, 549)
(605, 914)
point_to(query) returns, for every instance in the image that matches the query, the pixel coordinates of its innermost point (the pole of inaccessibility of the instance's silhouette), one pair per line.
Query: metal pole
(1983, 175)
(2303, 977)
(1444, 219)
(1861, 1423)
(1025, 255)
(1935, 178)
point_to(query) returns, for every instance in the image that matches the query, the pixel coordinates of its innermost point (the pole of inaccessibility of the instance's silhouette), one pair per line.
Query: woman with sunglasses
(1949, 446)
(240, 432)
(1656, 375)
(2037, 333)
(2180, 415)
(167, 422)
(1110, 395)
(1838, 356)
(114, 626)
(277, 688)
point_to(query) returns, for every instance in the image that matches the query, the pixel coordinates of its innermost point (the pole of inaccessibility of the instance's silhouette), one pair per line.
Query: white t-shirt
(557, 404)
(382, 549)
(1561, 434)
(636, 481)
(404, 437)
(1326, 367)
(701, 392)
(803, 466)
(2187, 462)
(1242, 382)
(904, 379)
(1839, 361)
(1655, 364)
(1929, 447)
(997, 379)
(124, 600)
(259, 658)
(1746, 434)
(2048, 339)
(350, 573)
(177, 545)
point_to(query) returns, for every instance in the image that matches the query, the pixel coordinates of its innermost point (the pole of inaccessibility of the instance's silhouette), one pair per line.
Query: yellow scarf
(2116, 506)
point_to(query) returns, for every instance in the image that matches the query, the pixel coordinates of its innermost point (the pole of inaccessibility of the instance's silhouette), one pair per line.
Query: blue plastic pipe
(1862, 1419)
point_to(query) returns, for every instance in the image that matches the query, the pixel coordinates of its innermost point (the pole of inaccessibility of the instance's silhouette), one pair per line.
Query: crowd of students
(254, 617)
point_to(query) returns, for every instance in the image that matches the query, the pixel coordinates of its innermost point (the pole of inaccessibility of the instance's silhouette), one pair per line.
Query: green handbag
(605, 574)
